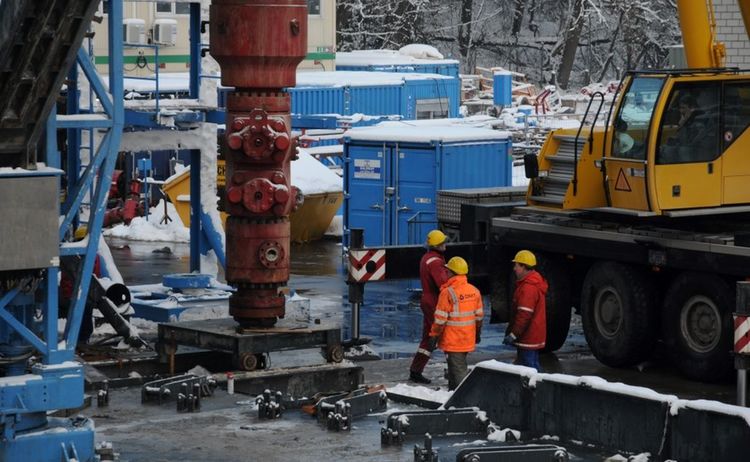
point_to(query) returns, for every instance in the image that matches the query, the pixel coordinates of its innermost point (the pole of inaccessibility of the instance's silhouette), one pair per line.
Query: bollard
(742, 340)
(230, 383)
(356, 289)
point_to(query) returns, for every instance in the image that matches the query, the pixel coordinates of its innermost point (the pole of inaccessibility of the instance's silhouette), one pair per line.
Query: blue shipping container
(422, 96)
(449, 69)
(392, 173)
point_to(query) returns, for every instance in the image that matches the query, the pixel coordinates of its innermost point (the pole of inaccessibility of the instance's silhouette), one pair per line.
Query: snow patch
(312, 177)
(502, 435)
(421, 51)
(151, 229)
(427, 394)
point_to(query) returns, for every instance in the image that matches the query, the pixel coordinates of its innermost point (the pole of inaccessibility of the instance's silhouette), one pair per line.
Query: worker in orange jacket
(458, 320)
(527, 330)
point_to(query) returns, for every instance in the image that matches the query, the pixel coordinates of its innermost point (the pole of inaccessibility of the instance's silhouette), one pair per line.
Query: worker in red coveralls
(458, 320)
(432, 274)
(527, 329)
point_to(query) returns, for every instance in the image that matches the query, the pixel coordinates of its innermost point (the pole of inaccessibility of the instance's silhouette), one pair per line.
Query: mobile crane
(642, 223)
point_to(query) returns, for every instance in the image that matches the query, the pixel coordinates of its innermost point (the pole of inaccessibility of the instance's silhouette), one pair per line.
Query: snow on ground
(427, 394)
(519, 176)
(151, 229)
(336, 228)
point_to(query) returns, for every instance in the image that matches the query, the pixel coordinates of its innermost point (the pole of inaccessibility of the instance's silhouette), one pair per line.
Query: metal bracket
(455, 421)
(163, 389)
(426, 454)
(525, 453)
(269, 405)
(337, 411)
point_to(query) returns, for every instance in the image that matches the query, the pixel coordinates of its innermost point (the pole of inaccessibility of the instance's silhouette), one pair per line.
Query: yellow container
(309, 222)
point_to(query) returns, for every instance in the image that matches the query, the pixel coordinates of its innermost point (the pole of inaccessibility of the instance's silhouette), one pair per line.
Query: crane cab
(675, 144)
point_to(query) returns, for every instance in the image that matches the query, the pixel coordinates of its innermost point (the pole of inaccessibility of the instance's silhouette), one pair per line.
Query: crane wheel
(618, 309)
(558, 301)
(697, 326)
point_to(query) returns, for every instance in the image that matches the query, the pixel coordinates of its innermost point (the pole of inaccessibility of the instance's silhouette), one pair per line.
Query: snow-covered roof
(359, 79)
(384, 58)
(425, 131)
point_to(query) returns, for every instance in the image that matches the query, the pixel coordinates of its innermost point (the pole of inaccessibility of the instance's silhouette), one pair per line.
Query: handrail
(591, 136)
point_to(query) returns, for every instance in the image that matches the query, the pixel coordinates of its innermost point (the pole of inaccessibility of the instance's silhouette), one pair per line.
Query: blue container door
(368, 205)
(414, 210)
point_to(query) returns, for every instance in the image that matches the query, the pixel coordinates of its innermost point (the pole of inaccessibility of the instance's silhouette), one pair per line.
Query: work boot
(418, 378)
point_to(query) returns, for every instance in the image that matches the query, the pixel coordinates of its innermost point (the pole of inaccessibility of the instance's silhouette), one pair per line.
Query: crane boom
(698, 26)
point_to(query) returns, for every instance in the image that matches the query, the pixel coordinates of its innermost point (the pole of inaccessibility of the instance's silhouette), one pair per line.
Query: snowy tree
(558, 41)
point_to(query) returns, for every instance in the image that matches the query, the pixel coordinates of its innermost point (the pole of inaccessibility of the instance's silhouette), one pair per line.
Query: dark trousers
(457, 368)
(528, 358)
(423, 353)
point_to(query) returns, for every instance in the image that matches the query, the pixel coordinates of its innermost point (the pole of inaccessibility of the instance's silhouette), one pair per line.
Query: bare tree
(568, 41)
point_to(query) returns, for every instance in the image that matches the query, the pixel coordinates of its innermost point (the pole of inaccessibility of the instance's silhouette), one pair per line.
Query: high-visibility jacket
(459, 310)
(432, 275)
(529, 313)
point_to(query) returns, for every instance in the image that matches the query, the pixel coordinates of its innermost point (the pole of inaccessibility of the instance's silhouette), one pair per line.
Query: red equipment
(258, 45)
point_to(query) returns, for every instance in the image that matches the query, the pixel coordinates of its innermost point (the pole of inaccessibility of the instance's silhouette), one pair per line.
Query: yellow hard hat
(458, 265)
(525, 257)
(435, 238)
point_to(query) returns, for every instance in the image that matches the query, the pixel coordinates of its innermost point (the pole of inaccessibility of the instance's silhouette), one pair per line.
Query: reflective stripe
(461, 323)
(422, 351)
(430, 260)
(523, 308)
(456, 307)
(441, 313)
(479, 313)
(530, 345)
(439, 321)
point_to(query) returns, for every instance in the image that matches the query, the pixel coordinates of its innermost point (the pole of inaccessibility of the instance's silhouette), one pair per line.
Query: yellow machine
(673, 144)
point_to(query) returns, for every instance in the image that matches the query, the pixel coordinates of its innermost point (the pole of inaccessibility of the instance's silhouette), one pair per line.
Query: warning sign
(622, 182)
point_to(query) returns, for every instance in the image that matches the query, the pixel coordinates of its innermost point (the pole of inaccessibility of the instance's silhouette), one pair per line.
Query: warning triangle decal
(622, 182)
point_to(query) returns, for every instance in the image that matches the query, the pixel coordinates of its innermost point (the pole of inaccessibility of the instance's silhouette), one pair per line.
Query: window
(163, 7)
(633, 120)
(436, 108)
(105, 6)
(689, 130)
(313, 6)
(736, 111)
(172, 8)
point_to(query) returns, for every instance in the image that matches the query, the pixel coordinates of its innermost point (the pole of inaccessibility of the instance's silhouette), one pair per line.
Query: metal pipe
(742, 387)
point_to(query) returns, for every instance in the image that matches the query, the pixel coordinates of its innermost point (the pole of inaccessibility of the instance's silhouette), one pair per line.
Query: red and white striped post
(742, 340)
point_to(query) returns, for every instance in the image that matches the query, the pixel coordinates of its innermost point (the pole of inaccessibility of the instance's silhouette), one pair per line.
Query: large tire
(501, 285)
(558, 301)
(697, 325)
(618, 309)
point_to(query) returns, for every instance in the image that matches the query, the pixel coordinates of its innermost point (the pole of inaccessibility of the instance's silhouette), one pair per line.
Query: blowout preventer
(258, 45)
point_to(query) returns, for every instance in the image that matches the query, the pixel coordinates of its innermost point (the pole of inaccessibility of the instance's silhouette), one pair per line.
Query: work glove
(478, 336)
(432, 343)
(509, 339)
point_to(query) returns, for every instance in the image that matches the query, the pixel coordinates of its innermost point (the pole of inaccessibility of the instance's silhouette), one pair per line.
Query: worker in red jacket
(527, 329)
(432, 274)
(458, 320)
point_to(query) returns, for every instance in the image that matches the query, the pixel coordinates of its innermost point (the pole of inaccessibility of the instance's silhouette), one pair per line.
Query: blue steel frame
(57, 382)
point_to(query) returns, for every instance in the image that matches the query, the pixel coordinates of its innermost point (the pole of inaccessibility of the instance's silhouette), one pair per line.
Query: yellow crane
(674, 143)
